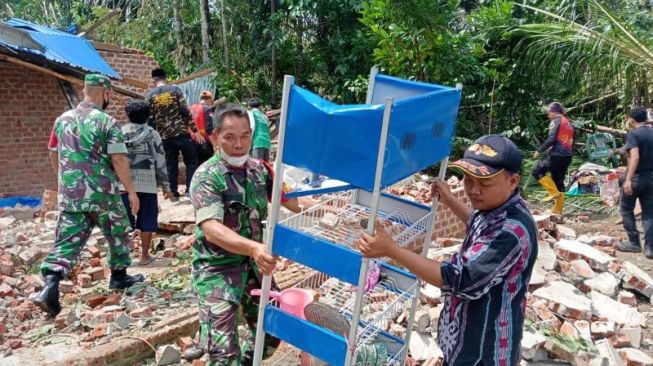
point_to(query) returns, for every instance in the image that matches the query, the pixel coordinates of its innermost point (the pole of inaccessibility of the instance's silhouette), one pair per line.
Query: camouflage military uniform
(222, 280)
(88, 192)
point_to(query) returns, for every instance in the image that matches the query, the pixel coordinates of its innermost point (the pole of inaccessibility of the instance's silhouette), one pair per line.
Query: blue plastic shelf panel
(342, 141)
(335, 260)
(318, 341)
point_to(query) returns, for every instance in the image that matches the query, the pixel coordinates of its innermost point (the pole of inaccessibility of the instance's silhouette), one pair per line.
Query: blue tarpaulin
(62, 47)
(342, 141)
(20, 200)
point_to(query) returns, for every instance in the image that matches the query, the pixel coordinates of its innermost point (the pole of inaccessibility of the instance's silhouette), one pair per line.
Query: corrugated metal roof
(61, 47)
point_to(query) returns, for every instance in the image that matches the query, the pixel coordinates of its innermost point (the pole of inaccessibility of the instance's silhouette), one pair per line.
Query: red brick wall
(447, 225)
(30, 102)
(132, 64)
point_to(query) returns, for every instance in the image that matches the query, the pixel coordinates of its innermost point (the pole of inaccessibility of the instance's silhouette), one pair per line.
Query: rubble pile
(584, 305)
(91, 314)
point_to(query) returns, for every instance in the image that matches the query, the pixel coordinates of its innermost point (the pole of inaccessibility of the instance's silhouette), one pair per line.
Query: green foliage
(512, 58)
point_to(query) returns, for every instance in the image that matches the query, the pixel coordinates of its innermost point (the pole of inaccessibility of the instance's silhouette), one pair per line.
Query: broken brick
(29, 256)
(14, 343)
(113, 299)
(3, 329)
(6, 290)
(184, 343)
(198, 362)
(6, 268)
(100, 330)
(94, 251)
(563, 298)
(84, 280)
(636, 279)
(94, 301)
(570, 250)
(603, 329)
(144, 312)
(619, 340)
(635, 357)
(627, 297)
(96, 273)
(34, 281)
(169, 253)
(66, 287)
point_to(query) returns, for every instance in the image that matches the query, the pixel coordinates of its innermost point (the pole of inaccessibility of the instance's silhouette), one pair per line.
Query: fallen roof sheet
(58, 46)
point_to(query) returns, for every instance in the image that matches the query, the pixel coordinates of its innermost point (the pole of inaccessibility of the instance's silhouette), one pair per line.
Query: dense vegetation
(512, 57)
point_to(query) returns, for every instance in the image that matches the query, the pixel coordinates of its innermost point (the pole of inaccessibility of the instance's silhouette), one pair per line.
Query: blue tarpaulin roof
(62, 47)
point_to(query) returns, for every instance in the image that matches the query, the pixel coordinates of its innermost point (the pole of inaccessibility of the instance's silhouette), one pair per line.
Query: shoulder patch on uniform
(552, 125)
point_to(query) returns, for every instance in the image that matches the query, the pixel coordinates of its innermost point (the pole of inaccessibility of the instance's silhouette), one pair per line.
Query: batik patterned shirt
(85, 138)
(485, 285)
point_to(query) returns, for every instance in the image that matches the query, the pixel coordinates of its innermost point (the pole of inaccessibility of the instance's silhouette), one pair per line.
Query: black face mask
(105, 104)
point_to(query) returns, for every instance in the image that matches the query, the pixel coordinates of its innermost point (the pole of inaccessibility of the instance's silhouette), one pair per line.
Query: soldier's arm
(206, 196)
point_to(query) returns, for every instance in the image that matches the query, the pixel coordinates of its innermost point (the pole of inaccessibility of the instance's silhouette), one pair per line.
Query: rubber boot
(48, 298)
(550, 186)
(559, 203)
(120, 280)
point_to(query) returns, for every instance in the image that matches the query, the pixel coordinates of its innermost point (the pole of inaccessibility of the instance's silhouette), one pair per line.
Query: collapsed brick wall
(30, 102)
(447, 224)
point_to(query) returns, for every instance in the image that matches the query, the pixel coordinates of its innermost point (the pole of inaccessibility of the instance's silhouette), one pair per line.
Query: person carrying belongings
(88, 151)
(559, 147)
(148, 170)
(485, 284)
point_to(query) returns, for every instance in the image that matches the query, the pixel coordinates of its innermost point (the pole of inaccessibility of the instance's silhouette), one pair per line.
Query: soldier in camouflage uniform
(230, 193)
(88, 152)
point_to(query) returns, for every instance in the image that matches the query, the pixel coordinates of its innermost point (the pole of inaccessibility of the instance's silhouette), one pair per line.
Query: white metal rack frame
(322, 236)
(353, 219)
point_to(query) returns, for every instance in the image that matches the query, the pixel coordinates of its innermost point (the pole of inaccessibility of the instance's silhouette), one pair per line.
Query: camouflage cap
(97, 80)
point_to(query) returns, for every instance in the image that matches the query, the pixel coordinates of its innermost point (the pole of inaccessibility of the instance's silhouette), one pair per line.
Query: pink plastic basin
(292, 300)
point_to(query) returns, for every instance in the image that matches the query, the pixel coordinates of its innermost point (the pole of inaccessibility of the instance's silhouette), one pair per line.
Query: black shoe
(627, 246)
(120, 280)
(192, 353)
(48, 298)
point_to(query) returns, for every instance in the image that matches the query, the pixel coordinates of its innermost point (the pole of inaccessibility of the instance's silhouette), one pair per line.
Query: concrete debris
(565, 232)
(606, 308)
(563, 298)
(609, 355)
(167, 355)
(532, 341)
(423, 346)
(635, 357)
(570, 250)
(604, 283)
(636, 279)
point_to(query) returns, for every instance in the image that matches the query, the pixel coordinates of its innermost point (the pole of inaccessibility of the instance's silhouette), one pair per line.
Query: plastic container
(610, 189)
(292, 300)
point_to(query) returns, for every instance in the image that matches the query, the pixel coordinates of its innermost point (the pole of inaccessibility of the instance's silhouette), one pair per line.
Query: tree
(205, 20)
(593, 47)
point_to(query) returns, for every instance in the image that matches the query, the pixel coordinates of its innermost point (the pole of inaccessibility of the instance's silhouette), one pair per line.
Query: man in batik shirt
(230, 193)
(88, 152)
(485, 283)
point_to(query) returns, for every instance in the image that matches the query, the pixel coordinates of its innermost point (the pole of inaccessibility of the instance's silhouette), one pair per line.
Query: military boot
(48, 298)
(120, 280)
